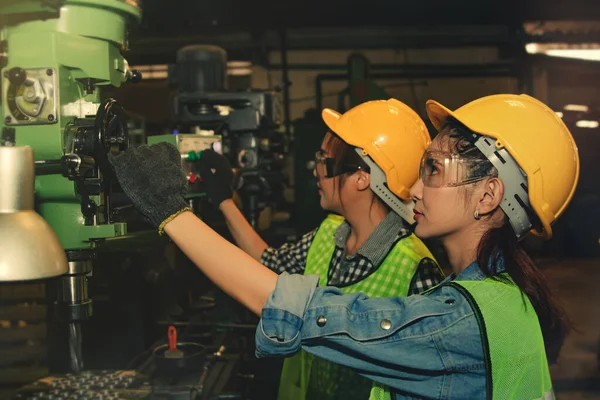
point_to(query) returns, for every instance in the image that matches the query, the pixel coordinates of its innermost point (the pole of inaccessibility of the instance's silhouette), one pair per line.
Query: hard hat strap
(515, 203)
(380, 188)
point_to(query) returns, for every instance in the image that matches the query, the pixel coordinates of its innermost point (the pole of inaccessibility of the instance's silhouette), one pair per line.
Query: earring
(476, 215)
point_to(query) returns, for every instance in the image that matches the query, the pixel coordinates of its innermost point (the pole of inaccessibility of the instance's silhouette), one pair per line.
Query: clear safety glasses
(441, 168)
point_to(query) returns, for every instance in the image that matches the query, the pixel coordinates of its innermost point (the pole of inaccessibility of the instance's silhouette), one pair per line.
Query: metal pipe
(414, 70)
(147, 49)
(69, 165)
(49, 167)
(423, 71)
(286, 82)
(72, 301)
(207, 324)
(319, 92)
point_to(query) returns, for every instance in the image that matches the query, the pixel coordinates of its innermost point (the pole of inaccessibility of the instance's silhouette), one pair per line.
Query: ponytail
(526, 275)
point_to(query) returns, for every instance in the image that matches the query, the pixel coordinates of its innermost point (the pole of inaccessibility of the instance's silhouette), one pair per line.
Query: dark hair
(344, 154)
(503, 242)
(530, 280)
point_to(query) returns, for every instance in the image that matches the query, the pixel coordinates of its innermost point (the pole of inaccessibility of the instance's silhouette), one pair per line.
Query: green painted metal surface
(360, 88)
(13, 7)
(84, 40)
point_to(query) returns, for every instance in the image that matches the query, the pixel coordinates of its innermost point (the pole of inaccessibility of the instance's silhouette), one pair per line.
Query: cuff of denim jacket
(279, 330)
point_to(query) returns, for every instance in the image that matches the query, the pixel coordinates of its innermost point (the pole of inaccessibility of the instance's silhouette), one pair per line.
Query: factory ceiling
(189, 16)
(250, 27)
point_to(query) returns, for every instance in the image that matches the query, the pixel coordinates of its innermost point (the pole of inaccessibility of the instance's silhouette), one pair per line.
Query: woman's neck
(461, 247)
(362, 223)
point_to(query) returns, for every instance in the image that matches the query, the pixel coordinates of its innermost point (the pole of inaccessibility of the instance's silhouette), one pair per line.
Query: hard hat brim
(438, 114)
(331, 117)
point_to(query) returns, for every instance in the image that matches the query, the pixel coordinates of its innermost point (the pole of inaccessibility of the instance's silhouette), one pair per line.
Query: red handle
(172, 338)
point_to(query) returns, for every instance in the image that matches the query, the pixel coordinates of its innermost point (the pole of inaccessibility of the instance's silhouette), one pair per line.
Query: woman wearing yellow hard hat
(366, 246)
(501, 166)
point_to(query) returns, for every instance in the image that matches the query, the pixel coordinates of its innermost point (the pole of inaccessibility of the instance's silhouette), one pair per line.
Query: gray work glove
(151, 176)
(216, 175)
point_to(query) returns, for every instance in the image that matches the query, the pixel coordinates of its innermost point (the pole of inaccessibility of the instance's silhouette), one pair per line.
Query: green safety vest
(513, 345)
(306, 377)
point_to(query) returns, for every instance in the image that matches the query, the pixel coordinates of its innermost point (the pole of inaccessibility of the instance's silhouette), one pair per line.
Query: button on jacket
(421, 346)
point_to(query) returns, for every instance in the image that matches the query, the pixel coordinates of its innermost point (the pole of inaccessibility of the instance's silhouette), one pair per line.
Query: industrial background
(157, 69)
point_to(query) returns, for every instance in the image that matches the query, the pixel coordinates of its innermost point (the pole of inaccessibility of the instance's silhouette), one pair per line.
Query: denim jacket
(420, 346)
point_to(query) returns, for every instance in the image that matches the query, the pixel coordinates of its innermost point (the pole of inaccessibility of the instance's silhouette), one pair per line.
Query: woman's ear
(363, 180)
(490, 196)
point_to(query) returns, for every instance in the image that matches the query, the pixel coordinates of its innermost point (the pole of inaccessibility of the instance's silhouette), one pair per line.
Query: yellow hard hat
(390, 133)
(535, 137)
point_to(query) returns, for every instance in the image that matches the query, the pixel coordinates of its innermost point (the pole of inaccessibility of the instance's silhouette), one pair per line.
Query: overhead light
(533, 48)
(589, 54)
(559, 113)
(239, 71)
(152, 67)
(154, 71)
(239, 64)
(239, 68)
(583, 51)
(587, 124)
(577, 107)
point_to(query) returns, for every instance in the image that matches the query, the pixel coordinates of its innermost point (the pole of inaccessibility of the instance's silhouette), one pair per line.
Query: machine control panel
(197, 143)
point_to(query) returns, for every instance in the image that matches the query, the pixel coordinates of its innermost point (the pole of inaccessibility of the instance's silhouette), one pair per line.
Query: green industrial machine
(360, 88)
(55, 56)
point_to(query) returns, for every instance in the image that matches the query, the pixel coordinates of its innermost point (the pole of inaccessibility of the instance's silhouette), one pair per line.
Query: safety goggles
(332, 170)
(441, 168)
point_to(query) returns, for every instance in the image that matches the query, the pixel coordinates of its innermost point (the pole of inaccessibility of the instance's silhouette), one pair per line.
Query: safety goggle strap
(456, 169)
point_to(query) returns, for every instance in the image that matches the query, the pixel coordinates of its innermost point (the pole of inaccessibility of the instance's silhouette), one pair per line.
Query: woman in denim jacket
(366, 243)
(501, 167)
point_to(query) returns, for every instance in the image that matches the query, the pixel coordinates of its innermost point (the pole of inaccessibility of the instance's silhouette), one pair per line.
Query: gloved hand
(151, 176)
(217, 176)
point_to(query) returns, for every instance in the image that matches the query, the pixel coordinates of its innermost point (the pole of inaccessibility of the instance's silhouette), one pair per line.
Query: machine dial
(29, 95)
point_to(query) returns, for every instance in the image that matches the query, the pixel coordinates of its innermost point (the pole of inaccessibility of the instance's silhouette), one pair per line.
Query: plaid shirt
(346, 270)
